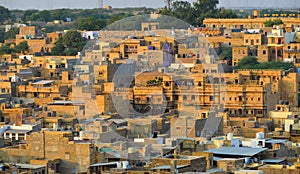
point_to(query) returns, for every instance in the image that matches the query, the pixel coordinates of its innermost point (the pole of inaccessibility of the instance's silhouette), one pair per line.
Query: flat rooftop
(168, 167)
(29, 166)
(17, 131)
(237, 151)
(43, 82)
(273, 161)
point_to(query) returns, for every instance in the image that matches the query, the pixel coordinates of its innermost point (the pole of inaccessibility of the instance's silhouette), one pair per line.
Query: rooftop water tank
(247, 161)
(260, 135)
(229, 136)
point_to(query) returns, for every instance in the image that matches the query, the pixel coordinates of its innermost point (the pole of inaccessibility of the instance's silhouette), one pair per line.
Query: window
(148, 99)
(264, 52)
(247, 41)
(211, 98)
(240, 98)
(273, 40)
(257, 40)
(67, 155)
(3, 90)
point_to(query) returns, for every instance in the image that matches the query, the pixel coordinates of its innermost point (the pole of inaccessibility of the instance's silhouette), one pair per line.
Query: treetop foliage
(9, 48)
(271, 23)
(195, 13)
(250, 62)
(69, 45)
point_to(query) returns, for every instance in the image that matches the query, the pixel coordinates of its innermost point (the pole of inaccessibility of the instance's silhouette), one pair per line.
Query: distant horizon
(90, 4)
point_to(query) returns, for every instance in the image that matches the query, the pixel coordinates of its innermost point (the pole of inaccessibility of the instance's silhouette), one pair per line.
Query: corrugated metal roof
(273, 161)
(16, 131)
(104, 164)
(29, 166)
(168, 167)
(217, 158)
(275, 141)
(43, 82)
(237, 151)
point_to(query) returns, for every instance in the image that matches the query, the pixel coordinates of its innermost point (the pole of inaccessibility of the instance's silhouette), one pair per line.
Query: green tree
(224, 13)
(248, 62)
(183, 10)
(114, 18)
(59, 14)
(21, 47)
(275, 65)
(45, 16)
(58, 48)
(2, 33)
(11, 34)
(271, 23)
(5, 49)
(70, 44)
(196, 13)
(91, 24)
(27, 14)
(226, 54)
(205, 9)
(4, 14)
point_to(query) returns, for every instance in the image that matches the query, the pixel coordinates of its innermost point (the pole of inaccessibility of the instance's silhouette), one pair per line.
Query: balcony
(130, 50)
(274, 35)
(278, 44)
(291, 50)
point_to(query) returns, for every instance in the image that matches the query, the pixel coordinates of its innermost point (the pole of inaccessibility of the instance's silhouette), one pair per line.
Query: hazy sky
(52, 4)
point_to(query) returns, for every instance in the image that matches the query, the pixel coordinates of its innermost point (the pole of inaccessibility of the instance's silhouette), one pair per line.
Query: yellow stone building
(249, 23)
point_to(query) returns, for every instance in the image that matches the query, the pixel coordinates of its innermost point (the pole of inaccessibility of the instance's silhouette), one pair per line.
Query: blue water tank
(247, 160)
